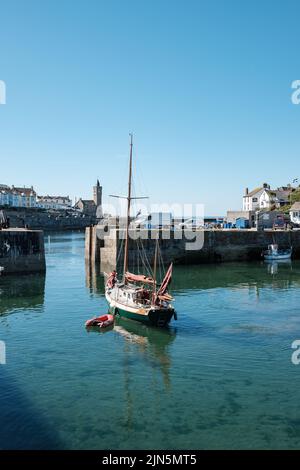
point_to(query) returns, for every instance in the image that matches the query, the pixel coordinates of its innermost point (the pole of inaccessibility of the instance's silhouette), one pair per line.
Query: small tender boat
(274, 253)
(102, 322)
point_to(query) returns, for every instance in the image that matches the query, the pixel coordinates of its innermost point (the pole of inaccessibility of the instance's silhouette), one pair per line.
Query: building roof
(255, 191)
(283, 194)
(295, 206)
(86, 202)
(270, 191)
(26, 191)
(54, 197)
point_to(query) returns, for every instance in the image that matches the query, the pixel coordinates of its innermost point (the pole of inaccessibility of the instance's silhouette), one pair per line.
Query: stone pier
(106, 246)
(22, 251)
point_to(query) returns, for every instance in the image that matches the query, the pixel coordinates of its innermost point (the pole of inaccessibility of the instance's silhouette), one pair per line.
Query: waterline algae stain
(220, 377)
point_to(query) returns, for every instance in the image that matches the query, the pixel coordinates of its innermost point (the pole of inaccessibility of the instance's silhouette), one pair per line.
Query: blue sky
(205, 86)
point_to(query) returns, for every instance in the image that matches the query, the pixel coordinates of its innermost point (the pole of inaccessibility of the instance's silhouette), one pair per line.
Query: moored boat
(137, 302)
(273, 253)
(137, 296)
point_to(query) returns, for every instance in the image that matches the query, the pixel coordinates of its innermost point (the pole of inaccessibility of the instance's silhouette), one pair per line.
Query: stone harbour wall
(22, 251)
(218, 246)
(48, 220)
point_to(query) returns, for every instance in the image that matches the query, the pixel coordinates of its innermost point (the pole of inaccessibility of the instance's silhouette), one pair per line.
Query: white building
(295, 213)
(252, 199)
(54, 202)
(266, 198)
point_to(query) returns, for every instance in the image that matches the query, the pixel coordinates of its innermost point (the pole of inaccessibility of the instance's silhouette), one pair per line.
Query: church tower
(97, 194)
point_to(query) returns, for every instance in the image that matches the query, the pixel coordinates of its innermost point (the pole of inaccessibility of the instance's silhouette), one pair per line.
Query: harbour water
(219, 377)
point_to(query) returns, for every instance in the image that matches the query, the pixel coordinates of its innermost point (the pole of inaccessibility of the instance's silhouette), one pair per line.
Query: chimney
(246, 191)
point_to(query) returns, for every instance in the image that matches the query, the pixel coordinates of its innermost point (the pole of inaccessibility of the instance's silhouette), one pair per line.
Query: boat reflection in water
(22, 292)
(274, 266)
(149, 342)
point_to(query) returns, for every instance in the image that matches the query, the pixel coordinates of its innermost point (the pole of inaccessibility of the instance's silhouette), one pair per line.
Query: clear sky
(205, 86)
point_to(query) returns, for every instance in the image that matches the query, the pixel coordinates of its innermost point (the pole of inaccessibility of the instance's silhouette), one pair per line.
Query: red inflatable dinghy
(102, 322)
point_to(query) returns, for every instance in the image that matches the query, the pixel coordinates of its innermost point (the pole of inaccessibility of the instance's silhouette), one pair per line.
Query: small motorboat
(274, 254)
(101, 322)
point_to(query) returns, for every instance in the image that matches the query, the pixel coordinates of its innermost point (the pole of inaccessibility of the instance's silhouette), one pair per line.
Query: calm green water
(220, 377)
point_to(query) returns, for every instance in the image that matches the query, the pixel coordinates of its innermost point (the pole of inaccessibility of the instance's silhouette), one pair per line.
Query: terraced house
(17, 196)
(54, 202)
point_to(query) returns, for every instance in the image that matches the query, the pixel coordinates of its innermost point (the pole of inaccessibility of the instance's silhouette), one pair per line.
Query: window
(254, 199)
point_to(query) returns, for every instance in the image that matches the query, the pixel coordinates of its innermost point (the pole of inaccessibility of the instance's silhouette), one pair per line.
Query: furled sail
(166, 281)
(138, 278)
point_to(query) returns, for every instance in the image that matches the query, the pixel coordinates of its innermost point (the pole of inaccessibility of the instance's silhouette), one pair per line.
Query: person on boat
(111, 281)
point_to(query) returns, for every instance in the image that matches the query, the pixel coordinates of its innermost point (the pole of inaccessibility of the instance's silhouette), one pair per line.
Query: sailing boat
(136, 296)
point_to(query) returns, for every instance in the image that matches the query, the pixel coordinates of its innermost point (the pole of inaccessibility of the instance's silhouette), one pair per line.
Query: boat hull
(153, 316)
(278, 257)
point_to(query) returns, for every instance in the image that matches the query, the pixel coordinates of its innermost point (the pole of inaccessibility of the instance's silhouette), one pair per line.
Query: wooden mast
(128, 212)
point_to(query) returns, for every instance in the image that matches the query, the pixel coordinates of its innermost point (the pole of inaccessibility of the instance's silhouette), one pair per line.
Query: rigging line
(139, 174)
(163, 264)
(120, 250)
(160, 265)
(142, 258)
(161, 260)
(139, 186)
(158, 260)
(138, 258)
(145, 260)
